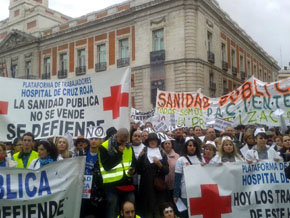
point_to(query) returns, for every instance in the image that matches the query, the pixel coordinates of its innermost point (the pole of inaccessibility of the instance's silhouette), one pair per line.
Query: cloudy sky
(266, 21)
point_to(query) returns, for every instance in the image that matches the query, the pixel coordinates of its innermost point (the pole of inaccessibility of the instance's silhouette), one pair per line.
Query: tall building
(172, 45)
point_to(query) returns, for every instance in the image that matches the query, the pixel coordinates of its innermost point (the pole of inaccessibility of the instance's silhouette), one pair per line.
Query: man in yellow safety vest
(117, 165)
(27, 154)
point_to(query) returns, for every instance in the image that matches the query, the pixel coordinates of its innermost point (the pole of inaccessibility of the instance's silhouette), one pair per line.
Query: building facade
(182, 45)
(284, 73)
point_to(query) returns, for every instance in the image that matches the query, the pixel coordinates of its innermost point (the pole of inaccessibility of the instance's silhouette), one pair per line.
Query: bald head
(122, 136)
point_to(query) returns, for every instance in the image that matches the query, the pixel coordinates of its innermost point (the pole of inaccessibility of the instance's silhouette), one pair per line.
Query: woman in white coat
(261, 151)
(47, 153)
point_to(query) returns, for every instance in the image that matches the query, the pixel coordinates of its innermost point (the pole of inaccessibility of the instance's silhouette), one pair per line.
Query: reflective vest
(33, 155)
(116, 173)
(136, 216)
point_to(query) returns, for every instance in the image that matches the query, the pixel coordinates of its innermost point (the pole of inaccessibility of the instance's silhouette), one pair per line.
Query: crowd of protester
(139, 172)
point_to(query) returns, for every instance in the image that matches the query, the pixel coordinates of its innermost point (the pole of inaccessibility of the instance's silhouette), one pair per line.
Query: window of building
(233, 57)
(249, 68)
(46, 66)
(223, 52)
(63, 62)
(158, 40)
(28, 68)
(241, 62)
(209, 41)
(101, 53)
(14, 70)
(255, 70)
(81, 58)
(124, 48)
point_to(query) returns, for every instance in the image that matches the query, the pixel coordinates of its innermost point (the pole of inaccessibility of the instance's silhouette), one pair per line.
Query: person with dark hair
(27, 155)
(152, 165)
(197, 131)
(166, 210)
(47, 153)
(178, 144)
(117, 165)
(128, 210)
(110, 132)
(190, 155)
(285, 151)
(81, 146)
(4, 161)
(17, 144)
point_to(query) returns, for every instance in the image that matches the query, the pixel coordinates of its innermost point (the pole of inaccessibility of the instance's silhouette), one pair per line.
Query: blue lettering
(44, 185)
(20, 185)
(10, 194)
(28, 191)
(1, 187)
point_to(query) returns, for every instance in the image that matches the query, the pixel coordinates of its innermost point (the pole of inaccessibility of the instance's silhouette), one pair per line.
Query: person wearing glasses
(27, 155)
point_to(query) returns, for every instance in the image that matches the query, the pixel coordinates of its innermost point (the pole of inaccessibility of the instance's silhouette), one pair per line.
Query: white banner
(254, 102)
(238, 190)
(54, 107)
(54, 190)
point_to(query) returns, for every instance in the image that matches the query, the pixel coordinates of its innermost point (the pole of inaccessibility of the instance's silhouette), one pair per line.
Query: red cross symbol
(211, 204)
(116, 101)
(3, 107)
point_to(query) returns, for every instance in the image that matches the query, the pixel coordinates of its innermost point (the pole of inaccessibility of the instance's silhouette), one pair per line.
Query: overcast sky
(266, 21)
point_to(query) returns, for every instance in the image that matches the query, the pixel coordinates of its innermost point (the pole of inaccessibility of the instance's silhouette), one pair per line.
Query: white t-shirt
(137, 149)
(180, 164)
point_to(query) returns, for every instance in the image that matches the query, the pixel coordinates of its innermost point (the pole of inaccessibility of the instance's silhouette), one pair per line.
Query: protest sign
(54, 107)
(238, 190)
(221, 124)
(54, 190)
(87, 188)
(254, 102)
(139, 115)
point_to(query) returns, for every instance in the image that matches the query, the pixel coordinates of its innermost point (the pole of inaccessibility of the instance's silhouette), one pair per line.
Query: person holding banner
(228, 152)
(4, 160)
(89, 206)
(209, 152)
(261, 151)
(47, 153)
(117, 164)
(27, 155)
(190, 155)
(152, 165)
(249, 142)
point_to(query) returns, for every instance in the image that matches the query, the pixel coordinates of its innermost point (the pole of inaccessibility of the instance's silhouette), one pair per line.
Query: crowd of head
(140, 171)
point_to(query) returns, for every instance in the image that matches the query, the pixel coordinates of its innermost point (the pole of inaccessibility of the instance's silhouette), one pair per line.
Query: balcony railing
(210, 57)
(45, 76)
(212, 86)
(225, 66)
(157, 57)
(102, 66)
(234, 71)
(62, 74)
(243, 75)
(123, 62)
(81, 70)
(27, 77)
